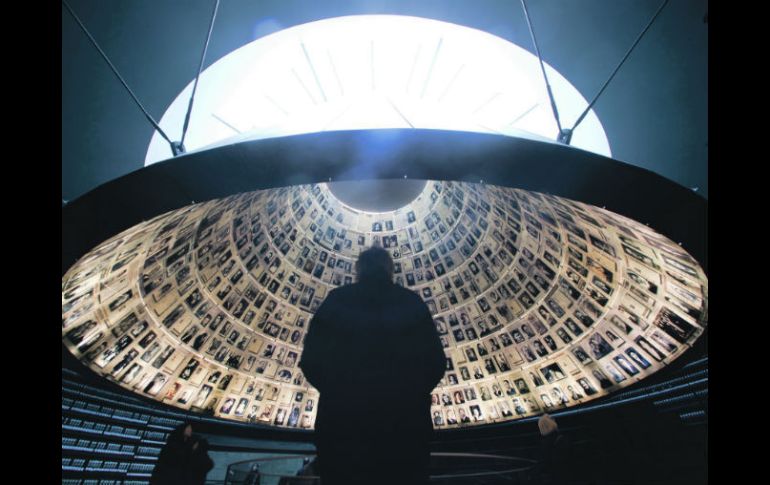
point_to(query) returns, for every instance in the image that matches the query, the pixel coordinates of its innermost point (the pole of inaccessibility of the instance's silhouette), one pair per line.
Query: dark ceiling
(655, 111)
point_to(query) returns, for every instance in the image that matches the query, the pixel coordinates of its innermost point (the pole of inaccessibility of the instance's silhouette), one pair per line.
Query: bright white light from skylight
(375, 71)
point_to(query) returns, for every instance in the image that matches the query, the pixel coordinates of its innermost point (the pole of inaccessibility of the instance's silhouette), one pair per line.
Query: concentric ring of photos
(541, 302)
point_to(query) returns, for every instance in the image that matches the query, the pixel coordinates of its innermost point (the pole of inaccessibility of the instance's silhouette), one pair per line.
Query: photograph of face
(155, 384)
(637, 358)
(88, 344)
(438, 420)
(252, 416)
(552, 372)
(562, 334)
(622, 326)
(616, 375)
(527, 353)
(450, 417)
(558, 397)
(539, 348)
(626, 365)
(538, 326)
(600, 376)
(464, 419)
(663, 341)
(489, 365)
(572, 326)
(650, 349)
(496, 390)
(586, 386)
(599, 347)
(521, 385)
(506, 340)
(674, 325)
(203, 394)
(689, 270)
(77, 334)
(493, 345)
(118, 303)
(267, 412)
(519, 407)
(574, 394)
(505, 409)
(172, 390)
(508, 388)
(470, 353)
(185, 396)
(466, 376)
(581, 355)
(584, 319)
(293, 417)
(481, 349)
(280, 417)
(227, 406)
(476, 413)
(550, 342)
(536, 380)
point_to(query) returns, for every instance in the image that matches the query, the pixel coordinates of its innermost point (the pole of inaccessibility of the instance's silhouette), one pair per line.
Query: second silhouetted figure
(374, 354)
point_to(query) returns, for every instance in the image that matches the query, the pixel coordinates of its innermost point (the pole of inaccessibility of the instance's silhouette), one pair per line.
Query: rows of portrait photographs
(540, 302)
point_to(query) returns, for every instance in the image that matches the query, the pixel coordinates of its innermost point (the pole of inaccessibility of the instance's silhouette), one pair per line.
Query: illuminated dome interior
(353, 72)
(541, 302)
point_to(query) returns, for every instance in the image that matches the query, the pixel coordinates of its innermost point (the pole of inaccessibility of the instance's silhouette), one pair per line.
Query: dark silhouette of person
(374, 354)
(555, 451)
(200, 462)
(183, 460)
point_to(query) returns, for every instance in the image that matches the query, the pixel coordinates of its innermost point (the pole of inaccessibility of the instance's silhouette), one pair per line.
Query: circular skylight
(378, 195)
(375, 71)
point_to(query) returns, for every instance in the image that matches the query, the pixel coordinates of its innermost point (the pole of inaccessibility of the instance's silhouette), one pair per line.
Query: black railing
(446, 468)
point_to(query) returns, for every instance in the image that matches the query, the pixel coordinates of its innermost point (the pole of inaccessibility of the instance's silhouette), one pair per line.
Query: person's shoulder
(406, 292)
(341, 292)
(408, 295)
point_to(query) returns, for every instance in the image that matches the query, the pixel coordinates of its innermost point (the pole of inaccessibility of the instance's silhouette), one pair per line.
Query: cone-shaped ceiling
(541, 302)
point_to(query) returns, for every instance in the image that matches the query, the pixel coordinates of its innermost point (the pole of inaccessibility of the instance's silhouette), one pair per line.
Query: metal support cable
(542, 67)
(115, 71)
(200, 69)
(628, 53)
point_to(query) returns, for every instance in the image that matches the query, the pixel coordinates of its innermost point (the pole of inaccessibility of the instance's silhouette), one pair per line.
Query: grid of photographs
(540, 302)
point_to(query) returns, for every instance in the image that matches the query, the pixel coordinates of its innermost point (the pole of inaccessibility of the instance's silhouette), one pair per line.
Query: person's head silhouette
(374, 264)
(181, 433)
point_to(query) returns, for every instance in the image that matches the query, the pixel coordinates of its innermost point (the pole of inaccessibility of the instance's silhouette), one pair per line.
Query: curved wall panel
(540, 301)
